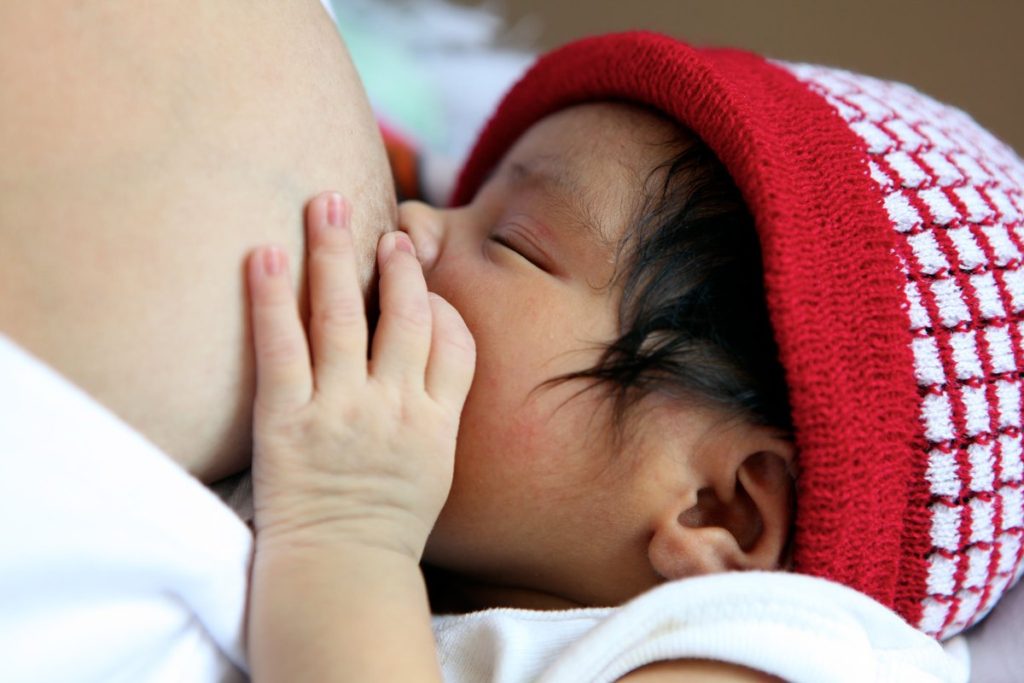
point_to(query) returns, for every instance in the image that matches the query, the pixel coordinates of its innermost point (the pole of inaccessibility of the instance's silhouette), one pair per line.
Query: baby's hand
(349, 450)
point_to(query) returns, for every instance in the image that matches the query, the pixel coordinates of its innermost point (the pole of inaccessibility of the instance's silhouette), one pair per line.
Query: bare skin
(352, 463)
(697, 671)
(146, 151)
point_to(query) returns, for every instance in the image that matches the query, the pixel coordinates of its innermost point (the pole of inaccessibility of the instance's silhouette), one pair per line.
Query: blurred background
(970, 54)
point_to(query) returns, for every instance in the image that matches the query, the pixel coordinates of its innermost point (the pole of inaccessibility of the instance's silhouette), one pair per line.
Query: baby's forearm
(321, 612)
(352, 462)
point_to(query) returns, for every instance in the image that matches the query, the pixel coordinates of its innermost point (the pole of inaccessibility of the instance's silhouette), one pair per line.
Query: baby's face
(543, 500)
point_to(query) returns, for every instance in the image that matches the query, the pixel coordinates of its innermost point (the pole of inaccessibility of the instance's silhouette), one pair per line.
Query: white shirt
(803, 629)
(116, 565)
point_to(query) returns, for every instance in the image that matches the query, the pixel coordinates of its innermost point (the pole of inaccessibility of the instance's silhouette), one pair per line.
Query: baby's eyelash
(499, 239)
(506, 243)
(503, 241)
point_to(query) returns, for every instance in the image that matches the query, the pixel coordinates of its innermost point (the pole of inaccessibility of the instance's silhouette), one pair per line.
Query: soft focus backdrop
(970, 54)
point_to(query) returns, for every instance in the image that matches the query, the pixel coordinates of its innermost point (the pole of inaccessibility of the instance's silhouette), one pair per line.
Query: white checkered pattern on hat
(954, 195)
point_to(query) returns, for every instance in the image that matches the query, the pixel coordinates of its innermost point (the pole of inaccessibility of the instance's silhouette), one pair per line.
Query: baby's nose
(424, 225)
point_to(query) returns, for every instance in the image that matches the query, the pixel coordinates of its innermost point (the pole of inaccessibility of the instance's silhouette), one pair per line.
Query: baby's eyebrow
(550, 175)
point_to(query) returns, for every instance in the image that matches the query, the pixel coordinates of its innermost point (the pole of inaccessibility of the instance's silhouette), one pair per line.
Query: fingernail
(337, 211)
(403, 243)
(393, 241)
(387, 246)
(273, 261)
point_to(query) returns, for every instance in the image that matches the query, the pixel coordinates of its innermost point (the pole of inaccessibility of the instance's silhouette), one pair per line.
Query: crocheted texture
(890, 500)
(954, 196)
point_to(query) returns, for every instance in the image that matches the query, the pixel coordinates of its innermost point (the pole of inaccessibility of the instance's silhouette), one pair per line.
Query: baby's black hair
(693, 321)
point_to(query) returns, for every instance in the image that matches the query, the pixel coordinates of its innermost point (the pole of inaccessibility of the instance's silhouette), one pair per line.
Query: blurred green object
(401, 93)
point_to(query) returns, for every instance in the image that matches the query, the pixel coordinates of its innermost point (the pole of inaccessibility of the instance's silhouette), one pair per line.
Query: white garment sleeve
(115, 564)
(802, 629)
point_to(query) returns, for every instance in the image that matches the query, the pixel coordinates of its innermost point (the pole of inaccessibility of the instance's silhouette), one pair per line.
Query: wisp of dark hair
(693, 320)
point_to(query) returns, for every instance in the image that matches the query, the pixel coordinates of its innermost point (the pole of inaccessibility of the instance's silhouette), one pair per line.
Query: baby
(621, 288)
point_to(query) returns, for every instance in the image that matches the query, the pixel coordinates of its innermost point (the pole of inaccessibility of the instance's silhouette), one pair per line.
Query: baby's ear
(738, 515)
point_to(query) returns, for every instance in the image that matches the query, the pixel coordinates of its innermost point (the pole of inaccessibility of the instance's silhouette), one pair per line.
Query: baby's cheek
(496, 437)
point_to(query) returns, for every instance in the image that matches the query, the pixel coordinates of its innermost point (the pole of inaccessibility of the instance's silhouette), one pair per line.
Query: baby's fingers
(401, 343)
(452, 357)
(337, 326)
(284, 380)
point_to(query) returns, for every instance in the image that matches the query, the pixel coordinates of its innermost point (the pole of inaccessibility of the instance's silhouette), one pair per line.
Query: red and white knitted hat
(892, 228)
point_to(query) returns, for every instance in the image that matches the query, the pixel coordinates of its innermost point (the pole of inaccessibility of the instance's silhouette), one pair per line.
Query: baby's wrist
(371, 531)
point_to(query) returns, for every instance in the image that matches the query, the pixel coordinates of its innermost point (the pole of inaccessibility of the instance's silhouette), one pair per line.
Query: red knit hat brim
(833, 283)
